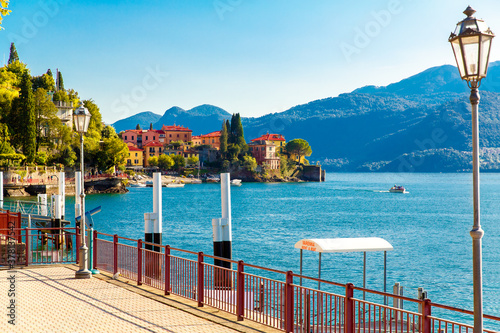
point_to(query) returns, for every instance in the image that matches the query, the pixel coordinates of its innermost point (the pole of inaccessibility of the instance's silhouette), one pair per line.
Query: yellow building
(135, 157)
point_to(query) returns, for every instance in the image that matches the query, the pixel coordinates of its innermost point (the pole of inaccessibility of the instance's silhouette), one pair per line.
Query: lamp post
(82, 120)
(471, 43)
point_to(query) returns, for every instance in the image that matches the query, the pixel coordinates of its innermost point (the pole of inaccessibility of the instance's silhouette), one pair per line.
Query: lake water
(428, 227)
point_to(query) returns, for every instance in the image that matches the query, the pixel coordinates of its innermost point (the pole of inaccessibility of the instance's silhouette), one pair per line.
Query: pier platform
(50, 299)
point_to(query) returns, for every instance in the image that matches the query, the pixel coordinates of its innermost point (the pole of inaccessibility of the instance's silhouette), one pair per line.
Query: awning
(331, 245)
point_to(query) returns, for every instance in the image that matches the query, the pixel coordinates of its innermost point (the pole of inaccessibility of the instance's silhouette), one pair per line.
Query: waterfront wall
(313, 173)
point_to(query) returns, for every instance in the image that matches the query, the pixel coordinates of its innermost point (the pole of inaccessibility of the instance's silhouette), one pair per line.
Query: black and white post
(222, 235)
(153, 221)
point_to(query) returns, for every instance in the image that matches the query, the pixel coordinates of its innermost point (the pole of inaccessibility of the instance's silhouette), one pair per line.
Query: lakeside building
(264, 153)
(152, 149)
(135, 158)
(277, 139)
(212, 139)
(176, 133)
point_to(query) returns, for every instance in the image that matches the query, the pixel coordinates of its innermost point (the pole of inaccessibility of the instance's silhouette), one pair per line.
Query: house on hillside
(151, 149)
(277, 139)
(135, 158)
(212, 139)
(176, 133)
(264, 153)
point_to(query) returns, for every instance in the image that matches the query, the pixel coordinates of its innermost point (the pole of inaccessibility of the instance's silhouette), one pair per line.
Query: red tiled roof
(175, 128)
(132, 148)
(196, 137)
(270, 137)
(153, 144)
(212, 134)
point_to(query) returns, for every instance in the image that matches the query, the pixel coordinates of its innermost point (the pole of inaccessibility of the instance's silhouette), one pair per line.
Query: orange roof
(175, 128)
(196, 137)
(132, 148)
(135, 131)
(213, 134)
(270, 137)
(153, 144)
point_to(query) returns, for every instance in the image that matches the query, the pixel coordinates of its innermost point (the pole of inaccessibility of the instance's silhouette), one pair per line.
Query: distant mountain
(421, 123)
(201, 119)
(144, 119)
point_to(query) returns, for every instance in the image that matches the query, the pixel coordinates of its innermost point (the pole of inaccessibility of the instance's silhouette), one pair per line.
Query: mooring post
(62, 193)
(78, 191)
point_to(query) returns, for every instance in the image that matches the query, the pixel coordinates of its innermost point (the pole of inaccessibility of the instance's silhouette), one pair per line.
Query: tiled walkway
(50, 299)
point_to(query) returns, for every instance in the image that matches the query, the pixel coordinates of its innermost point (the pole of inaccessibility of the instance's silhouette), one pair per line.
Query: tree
(193, 160)
(3, 10)
(26, 108)
(165, 162)
(179, 161)
(223, 140)
(60, 81)
(138, 127)
(44, 81)
(113, 152)
(13, 56)
(153, 161)
(150, 126)
(47, 122)
(299, 148)
(108, 132)
(233, 150)
(249, 163)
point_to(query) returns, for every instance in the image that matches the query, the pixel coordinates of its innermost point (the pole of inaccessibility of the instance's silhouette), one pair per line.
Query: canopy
(331, 245)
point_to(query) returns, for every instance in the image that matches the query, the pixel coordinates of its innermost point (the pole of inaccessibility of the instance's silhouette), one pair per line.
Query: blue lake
(428, 227)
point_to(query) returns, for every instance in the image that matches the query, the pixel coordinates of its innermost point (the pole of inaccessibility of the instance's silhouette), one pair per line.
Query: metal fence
(27, 246)
(276, 302)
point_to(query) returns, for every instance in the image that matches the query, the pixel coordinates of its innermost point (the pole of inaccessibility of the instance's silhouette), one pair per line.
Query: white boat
(175, 185)
(398, 189)
(236, 182)
(137, 185)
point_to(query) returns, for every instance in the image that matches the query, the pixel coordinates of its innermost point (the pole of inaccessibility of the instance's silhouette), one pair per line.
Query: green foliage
(41, 158)
(66, 156)
(61, 96)
(3, 10)
(175, 144)
(193, 161)
(179, 161)
(223, 140)
(60, 82)
(13, 56)
(130, 172)
(233, 150)
(165, 162)
(108, 132)
(225, 165)
(138, 127)
(249, 163)
(44, 81)
(150, 126)
(298, 147)
(48, 125)
(113, 152)
(153, 161)
(26, 108)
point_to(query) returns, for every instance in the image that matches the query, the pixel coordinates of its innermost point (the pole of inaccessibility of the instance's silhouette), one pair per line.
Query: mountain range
(421, 123)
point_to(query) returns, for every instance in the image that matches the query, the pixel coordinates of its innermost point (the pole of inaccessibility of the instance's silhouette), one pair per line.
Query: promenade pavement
(50, 299)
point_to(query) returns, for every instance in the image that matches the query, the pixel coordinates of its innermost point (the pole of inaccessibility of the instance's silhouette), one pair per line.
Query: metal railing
(271, 297)
(28, 246)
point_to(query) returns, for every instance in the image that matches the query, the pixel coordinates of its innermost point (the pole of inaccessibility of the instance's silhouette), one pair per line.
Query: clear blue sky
(248, 56)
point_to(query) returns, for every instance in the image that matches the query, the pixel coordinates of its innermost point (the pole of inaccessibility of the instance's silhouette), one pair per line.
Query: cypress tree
(28, 118)
(49, 72)
(228, 129)
(60, 82)
(238, 133)
(223, 140)
(150, 126)
(13, 57)
(138, 127)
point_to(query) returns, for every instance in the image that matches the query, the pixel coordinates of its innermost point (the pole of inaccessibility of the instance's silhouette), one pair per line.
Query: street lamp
(82, 120)
(471, 43)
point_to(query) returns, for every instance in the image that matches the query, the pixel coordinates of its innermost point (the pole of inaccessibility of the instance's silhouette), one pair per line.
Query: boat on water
(236, 182)
(137, 185)
(398, 189)
(174, 185)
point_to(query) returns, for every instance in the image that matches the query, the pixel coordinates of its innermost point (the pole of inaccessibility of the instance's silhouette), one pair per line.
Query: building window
(125, 137)
(151, 150)
(132, 137)
(203, 141)
(159, 150)
(135, 154)
(146, 137)
(177, 135)
(154, 138)
(185, 135)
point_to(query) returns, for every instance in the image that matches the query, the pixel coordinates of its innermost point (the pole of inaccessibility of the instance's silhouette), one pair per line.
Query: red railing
(26, 246)
(276, 302)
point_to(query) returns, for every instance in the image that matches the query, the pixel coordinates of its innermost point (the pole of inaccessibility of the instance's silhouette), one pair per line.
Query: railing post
(426, 312)
(349, 309)
(240, 292)
(139, 262)
(289, 302)
(201, 279)
(167, 269)
(94, 252)
(115, 254)
(27, 247)
(77, 236)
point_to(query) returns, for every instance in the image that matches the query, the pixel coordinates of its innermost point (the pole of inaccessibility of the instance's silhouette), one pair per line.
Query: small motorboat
(398, 189)
(137, 185)
(175, 185)
(236, 182)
